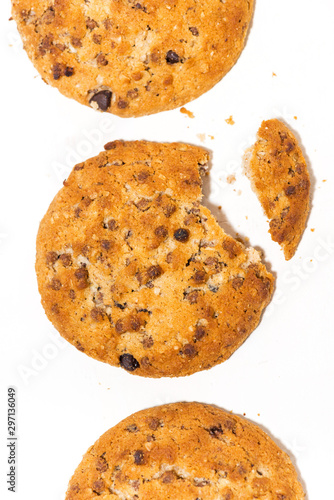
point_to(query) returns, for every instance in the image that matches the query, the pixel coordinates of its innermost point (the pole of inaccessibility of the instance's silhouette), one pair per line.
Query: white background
(283, 376)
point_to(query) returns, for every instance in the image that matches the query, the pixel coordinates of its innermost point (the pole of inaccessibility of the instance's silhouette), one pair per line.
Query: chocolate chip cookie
(278, 173)
(135, 272)
(185, 451)
(130, 57)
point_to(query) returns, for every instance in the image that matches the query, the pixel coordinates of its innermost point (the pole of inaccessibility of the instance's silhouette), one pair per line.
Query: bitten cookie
(133, 58)
(185, 451)
(133, 271)
(278, 173)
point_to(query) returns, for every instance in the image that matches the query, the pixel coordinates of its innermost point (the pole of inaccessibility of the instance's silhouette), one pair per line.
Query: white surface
(283, 376)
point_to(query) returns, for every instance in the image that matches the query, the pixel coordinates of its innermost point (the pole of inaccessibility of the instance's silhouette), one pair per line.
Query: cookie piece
(278, 173)
(133, 271)
(133, 58)
(185, 451)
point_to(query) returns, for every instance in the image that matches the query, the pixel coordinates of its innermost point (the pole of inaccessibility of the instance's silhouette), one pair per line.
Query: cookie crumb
(313, 229)
(295, 117)
(201, 137)
(212, 137)
(230, 120)
(274, 74)
(230, 179)
(185, 111)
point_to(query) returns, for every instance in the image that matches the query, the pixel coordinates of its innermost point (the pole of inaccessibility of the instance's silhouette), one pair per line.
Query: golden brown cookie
(133, 271)
(133, 58)
(185, 451)
(278, 173)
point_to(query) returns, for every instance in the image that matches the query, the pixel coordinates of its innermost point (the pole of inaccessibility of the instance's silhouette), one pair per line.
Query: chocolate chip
(181, 235)
(154, 272)
(194, 31)
(290, 190)
(200, 277)
(91, 24)
(51, 258)
(71, 294)
(132, 94)
(199, 332)
(122, 104)
(128, 362)
(111, 225)
(66, 259)
(82, 278)
(192, 297)
(101, 60)
(101, 464)
(147, 342)
(139, 457)
(120, 326)
(168, 477)
(69, 71)
(98, 486)
(102, 99)
(154, 423)
(97, 39)
(97, 314)
(110, 145)
(161, 232)
(216, 431)
(106, 244)
(135, 323)
(189, 351)
(169, 210)
(237, 283)
(57, 70)
(143, 175)
(55, 309)
(55, 284)
(132, 428)
(172, 57)
(76, 42)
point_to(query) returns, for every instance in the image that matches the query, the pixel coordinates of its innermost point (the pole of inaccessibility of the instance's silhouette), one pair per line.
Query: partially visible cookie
(278, 173)
(130, 57)
(185, 451)
(135, 272)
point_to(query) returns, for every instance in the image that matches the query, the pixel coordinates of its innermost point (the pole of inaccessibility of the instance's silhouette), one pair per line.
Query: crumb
(239, 192)
(219, 208)
(246, 217)
(312, 229)
(211, 137)
(324, 180)
(187, 112)
(295, 117)
(201, 137)
(230, 120)
(244, 414)
(230, 179)
(274, 74)
(258, 414)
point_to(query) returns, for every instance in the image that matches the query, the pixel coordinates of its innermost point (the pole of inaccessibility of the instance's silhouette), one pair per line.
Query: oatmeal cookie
(278, 173)
(135, 272)
(185, 451)
(133, 58)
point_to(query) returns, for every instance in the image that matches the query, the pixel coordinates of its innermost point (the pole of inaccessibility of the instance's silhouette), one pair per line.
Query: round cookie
(133, 58)
(134, 272)
(185, 451)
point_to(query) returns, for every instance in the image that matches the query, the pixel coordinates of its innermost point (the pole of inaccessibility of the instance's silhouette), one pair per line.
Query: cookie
(185, 451)
(133, 58)
(278, 173)
(135, 272)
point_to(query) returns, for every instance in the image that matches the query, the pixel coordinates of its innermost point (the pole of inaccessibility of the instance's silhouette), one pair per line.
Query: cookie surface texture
(133, 58)
(279, 176)
(133, 271)
(185, 451)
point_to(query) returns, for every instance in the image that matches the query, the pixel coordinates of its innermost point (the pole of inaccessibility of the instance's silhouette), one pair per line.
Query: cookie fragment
(142, 275)
(185, 451)
(133, 58)
(279, 176)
